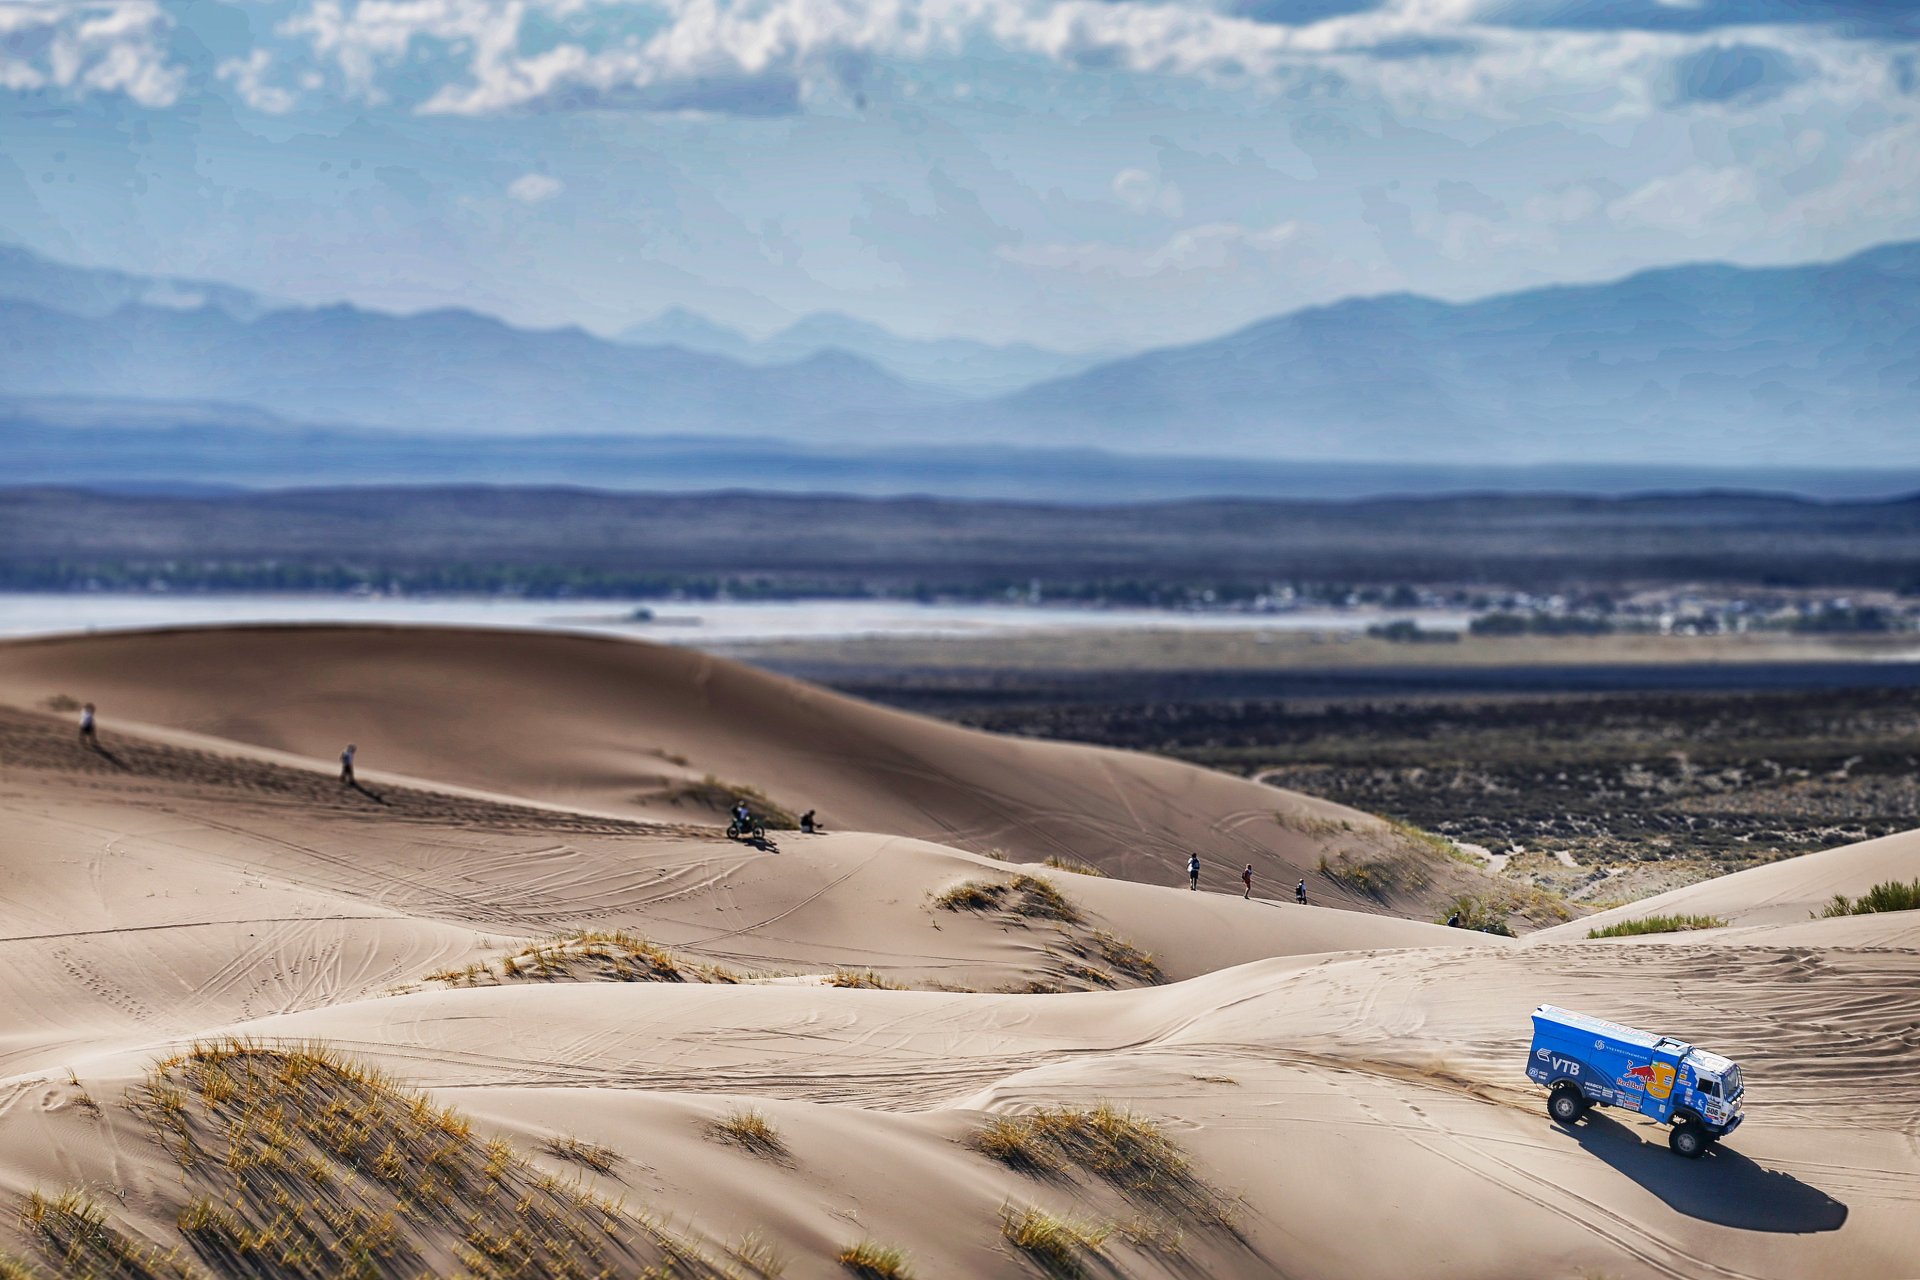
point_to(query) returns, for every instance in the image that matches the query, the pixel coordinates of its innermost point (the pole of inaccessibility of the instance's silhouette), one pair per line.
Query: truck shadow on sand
(1722, 1186)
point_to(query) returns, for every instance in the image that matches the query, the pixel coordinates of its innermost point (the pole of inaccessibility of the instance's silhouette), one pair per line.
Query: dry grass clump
(12, 1268)
(749, 1128)
(1125, 958)
(1888, 895)
(871, 1260)
(1058, 1244)
(1074, 865)
(862, 978)
(306, 1164)
(1657, 924)
(594, 1156)
(1027, 896)
(1128, 1152)
(73, 1233)
(720, 797)
(587, 955)
(1379, 876)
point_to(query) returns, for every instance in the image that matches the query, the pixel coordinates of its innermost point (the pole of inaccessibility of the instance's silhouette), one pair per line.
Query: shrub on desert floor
(749, 1128)
(1059, 1244)
(1657, 924)
(299, 1162)
(871, 1260)
(1888, 895)
(1024, 895)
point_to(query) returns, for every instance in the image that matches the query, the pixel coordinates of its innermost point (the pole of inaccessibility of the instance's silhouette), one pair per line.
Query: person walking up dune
(1300, 893)
(1193, 872)
(1246, 878)
(87, 737)
(346, 766)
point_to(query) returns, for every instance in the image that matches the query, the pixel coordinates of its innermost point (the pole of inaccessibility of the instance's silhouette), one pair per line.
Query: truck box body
(1617, 1066)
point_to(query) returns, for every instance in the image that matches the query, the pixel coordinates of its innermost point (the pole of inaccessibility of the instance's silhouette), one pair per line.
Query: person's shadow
(1722, 1186)
(112, 759)
(374, 796)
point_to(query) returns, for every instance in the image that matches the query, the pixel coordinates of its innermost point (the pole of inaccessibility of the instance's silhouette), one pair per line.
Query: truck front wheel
(1567, 1104)
(1688, 1140)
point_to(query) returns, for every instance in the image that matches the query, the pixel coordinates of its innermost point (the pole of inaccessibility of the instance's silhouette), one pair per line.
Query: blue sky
(1080, 173)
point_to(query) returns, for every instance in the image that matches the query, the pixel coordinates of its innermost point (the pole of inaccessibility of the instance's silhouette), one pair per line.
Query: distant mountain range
(956, 364)
(437, 371)
(1697, 364)
(1702, 366)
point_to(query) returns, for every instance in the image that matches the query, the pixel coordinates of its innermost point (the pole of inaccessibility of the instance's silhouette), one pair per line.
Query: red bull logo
(1655, 1077)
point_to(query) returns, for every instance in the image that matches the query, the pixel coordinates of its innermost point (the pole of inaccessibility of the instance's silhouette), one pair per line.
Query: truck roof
(1601, 1027)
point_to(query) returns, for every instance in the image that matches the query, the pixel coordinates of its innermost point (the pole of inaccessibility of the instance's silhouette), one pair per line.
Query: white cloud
(535, 188)
(248, 76)
(1146, 193)
(1696, 200)
(84, 48)
(1210, 247)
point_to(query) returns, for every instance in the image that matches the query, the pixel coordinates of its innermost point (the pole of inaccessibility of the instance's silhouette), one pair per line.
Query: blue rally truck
(1586, 1061)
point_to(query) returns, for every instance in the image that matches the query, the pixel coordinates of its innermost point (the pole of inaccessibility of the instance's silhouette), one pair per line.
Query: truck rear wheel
(1566, 1104)
(1688, 1140)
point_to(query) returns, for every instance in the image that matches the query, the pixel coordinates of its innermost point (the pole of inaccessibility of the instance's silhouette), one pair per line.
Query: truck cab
(1585, 1062)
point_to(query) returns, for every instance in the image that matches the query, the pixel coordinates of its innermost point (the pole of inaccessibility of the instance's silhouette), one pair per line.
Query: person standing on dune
(1193, 872)
(87, 737)
(346, 766)
(1300, 893)
(1246, 878)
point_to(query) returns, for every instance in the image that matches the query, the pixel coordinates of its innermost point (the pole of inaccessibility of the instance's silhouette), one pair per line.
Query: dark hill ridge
(49, 536)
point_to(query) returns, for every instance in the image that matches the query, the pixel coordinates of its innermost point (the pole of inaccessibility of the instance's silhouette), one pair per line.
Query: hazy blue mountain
(25, 276)
(440, 370)
(1709, 364)
(957, 364)
(679, 327)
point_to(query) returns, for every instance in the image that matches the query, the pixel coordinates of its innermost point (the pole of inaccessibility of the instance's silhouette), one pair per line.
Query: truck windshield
(1732, 1081)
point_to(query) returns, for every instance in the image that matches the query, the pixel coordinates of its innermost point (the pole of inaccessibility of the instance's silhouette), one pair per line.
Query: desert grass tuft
(1128, 1152)
(1888, 895)
(1657, 924)
(862, 978)
(595, 1157)
(588, 955)
(749, 1128)
(1075, 865)
(302, 1163)
(73, 1234)
(871, 1260)
(1029, 896)
(1058, 1244)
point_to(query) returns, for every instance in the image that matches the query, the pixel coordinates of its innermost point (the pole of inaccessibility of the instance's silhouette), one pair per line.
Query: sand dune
(1779, 893)
(1346, 1084)
(629, 728)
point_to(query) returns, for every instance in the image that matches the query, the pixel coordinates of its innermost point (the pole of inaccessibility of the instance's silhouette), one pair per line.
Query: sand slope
(1785, 892)
(623, 727)
(1347, 1084)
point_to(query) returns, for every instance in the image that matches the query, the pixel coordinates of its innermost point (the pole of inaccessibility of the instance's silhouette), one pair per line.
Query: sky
(1083, 174)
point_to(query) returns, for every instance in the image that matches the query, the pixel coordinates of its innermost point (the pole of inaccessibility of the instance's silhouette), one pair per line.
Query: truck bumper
(1731, 1125)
